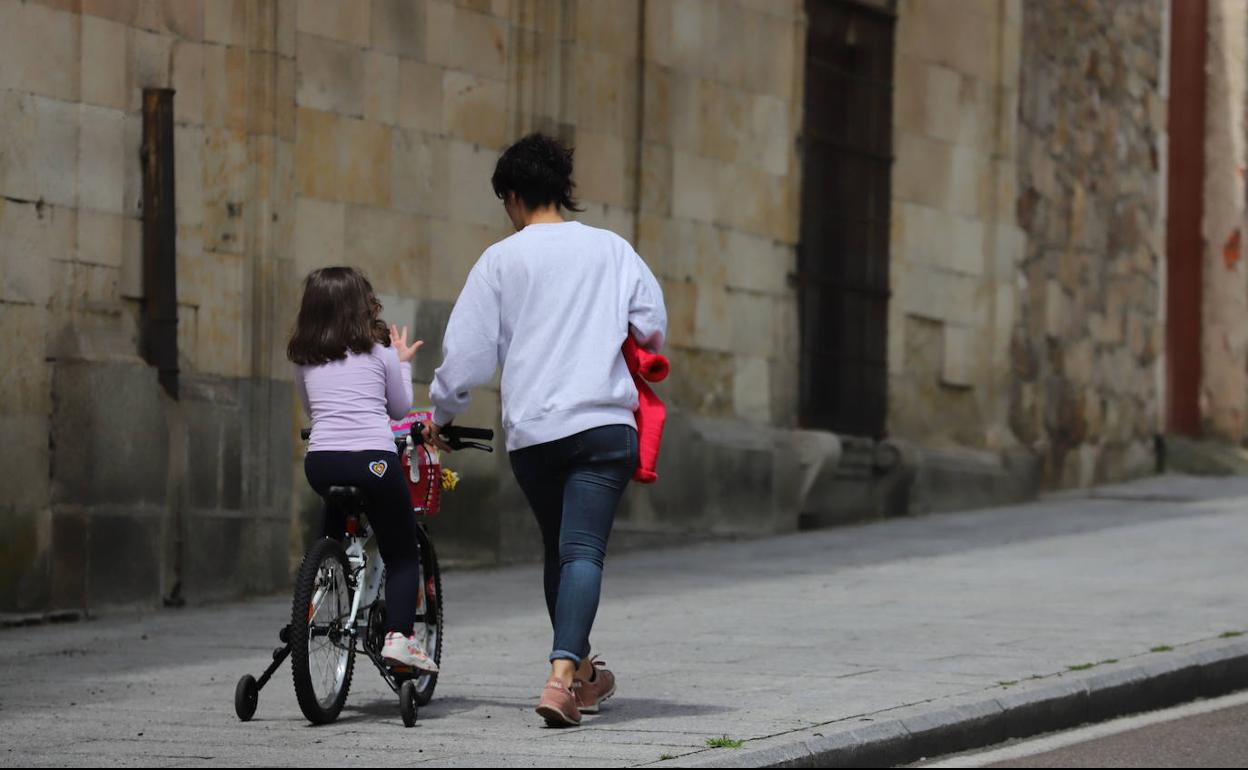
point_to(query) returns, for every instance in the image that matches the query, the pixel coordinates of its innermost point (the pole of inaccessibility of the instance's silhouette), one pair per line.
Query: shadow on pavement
(621, 711)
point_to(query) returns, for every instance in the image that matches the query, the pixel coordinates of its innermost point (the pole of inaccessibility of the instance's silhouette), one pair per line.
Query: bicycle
(338, 608)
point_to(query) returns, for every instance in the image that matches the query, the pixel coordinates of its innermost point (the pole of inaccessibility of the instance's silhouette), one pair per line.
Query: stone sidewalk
(762, 641)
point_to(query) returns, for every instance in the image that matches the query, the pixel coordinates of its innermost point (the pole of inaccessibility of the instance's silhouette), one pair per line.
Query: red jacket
(651, 412)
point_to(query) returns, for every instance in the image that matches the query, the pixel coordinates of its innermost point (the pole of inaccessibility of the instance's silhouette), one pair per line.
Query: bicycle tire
(305, 588)
(430, 573)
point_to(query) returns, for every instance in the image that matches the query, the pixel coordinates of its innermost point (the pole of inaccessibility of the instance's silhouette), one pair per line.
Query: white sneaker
(401, 650)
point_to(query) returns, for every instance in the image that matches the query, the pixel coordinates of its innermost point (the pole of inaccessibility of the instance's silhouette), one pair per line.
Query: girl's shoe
(558, 704)
(401, 650)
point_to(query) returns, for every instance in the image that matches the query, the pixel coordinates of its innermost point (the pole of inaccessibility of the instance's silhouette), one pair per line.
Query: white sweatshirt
(552, 304)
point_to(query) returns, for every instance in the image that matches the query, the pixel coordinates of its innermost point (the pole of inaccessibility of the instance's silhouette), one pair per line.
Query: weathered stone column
(1086, 347)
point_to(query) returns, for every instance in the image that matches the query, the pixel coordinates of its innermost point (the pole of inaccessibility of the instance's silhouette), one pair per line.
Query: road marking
(1055, 741)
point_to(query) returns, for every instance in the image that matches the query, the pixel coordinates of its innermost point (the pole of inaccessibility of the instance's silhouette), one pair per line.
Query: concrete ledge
(1204, 457)
(906, 735)
(961, 479)
(17, 620)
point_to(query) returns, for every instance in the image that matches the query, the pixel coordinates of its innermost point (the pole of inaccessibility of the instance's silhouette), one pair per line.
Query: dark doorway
(843, 254)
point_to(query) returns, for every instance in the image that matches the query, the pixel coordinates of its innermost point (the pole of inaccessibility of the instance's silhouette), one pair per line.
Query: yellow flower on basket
(450, 479)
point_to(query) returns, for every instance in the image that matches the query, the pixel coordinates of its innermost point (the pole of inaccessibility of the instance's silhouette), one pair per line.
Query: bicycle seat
(346, 499)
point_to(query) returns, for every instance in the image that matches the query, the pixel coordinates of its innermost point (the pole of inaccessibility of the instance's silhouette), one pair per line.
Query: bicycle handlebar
(458, 438)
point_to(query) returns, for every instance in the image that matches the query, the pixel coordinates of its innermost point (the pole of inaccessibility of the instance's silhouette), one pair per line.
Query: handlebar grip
(305, 434)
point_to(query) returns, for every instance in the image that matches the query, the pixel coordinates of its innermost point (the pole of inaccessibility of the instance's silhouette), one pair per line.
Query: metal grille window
(843, 255)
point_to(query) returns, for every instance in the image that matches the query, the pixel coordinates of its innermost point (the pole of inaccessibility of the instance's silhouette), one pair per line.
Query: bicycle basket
(423, 471)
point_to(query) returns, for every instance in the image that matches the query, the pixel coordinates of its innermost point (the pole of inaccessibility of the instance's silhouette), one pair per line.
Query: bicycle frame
(368, 573)
(367, 580)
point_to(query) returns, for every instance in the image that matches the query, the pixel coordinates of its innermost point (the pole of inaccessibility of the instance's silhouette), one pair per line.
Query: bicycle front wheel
(322, 654)
(429, 614)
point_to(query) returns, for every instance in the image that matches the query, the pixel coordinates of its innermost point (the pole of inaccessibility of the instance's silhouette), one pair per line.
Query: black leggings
(390, 514)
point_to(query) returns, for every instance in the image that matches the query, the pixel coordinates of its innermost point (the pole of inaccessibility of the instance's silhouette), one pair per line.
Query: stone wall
(955, 244)
(720, 199)
(719, 215)
(128, 495)
(1085, 350)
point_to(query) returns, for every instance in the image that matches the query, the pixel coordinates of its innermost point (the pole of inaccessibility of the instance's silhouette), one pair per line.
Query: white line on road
(1055, 741)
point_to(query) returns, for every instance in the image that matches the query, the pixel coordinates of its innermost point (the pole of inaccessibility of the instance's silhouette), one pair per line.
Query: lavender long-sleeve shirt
(350, 400)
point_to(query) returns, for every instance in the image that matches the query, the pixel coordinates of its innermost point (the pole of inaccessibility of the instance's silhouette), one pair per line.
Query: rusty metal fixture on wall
(1184, 240)
(159, 329)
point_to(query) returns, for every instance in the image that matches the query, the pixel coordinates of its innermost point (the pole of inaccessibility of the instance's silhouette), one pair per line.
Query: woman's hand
(399, 341)
(432, 434)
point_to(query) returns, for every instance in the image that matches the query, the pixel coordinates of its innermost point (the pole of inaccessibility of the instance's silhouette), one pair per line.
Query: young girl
(352, 374)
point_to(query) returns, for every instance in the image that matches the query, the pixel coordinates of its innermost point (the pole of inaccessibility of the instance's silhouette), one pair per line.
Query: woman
(553, 303)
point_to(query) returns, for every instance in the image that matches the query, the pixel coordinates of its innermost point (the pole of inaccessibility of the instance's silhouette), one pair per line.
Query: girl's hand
(399, 341)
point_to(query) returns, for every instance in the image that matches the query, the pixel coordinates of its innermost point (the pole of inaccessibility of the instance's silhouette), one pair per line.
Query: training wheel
(407, 703)
(246, 695)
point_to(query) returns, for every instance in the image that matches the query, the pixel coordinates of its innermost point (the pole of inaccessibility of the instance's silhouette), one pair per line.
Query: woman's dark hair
(339, 314)
(538, 169)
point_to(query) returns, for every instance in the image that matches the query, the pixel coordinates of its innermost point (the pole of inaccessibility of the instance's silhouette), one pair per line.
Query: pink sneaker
(558, 704)
(591, 693)
(401, 650)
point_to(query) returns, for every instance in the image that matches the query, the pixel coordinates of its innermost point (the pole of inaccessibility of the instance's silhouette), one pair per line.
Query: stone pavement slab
(773, 641)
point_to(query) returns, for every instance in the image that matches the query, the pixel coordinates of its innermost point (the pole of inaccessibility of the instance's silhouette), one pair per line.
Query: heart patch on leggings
(378, 468)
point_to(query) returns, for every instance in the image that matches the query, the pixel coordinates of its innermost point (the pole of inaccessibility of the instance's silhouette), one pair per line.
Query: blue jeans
(574, 486)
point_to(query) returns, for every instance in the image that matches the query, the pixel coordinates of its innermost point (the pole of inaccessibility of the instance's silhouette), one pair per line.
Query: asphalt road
(1202, 734)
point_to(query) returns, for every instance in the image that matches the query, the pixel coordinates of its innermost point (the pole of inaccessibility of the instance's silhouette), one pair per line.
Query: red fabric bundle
(651, 412)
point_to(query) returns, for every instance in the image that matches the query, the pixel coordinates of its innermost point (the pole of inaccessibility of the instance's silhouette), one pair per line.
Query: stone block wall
(129, 495)
(955, 242)
(1090, 330)
(719, 200)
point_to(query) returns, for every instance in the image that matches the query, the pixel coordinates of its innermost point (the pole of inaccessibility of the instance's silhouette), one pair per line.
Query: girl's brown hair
(338, 315)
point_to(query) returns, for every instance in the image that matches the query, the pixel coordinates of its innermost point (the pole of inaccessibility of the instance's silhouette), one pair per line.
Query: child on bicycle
(352, 375)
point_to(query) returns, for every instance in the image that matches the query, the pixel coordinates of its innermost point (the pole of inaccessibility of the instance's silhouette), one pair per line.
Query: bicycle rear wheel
(322, 653)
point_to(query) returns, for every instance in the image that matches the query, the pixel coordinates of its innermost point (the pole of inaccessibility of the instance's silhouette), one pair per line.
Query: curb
(906, 735)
